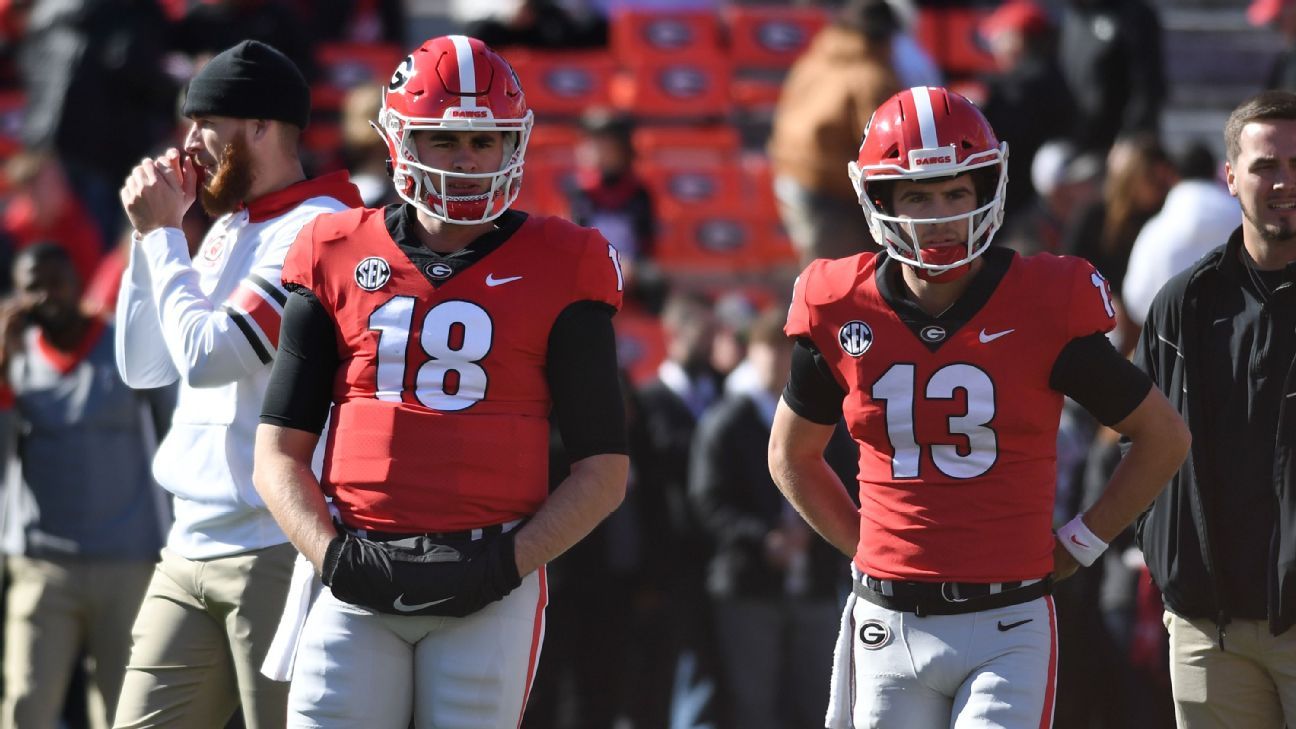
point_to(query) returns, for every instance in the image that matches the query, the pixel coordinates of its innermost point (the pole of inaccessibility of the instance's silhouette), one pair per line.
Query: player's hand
(1064, 565)
(420, 577)
(159, 191)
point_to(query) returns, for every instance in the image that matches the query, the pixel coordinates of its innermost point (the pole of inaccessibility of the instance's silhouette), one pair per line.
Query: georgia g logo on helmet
(401, 76)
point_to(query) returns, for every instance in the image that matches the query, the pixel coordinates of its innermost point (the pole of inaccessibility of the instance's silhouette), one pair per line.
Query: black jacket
(738, 504)
(1175, 534)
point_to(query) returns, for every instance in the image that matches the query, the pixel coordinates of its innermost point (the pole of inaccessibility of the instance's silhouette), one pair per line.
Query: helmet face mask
(455, 84)
(928, 134)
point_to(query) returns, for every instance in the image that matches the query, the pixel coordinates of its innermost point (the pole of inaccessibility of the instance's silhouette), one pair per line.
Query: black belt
(468, 535)
(947, 598)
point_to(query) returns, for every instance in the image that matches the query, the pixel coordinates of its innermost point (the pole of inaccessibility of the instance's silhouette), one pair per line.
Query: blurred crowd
(703, 601)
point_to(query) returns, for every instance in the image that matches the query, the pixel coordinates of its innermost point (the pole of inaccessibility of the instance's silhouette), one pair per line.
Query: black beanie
(250, 81)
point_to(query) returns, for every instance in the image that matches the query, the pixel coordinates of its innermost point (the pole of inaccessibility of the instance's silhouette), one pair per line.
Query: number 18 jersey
(441, 402)
(954, 415)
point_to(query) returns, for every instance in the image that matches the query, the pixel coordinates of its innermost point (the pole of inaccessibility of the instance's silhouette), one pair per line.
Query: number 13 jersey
(441, 402)
(954, 416)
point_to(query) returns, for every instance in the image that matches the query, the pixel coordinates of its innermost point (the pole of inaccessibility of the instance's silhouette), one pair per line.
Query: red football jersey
(440, 421)
(957, 429)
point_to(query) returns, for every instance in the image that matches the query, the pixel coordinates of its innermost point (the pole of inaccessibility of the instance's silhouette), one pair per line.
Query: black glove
(417, 576)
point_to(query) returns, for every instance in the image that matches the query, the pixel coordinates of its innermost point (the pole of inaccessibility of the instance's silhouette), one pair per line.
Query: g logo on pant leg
(874, 634)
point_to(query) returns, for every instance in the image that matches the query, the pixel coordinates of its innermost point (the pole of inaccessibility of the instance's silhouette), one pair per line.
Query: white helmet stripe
(926, 120)
(467, 72)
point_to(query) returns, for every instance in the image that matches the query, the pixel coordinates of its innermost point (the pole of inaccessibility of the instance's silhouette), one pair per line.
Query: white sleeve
(215, 343)
(142, 357)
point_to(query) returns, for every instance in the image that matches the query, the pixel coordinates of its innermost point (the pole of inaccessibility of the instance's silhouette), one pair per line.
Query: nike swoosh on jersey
(492, 281)
(1005, 627)
(988, 338)
(405, 607)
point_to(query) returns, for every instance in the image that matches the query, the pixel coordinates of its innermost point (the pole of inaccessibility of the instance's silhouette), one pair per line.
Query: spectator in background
(210, 27)
(827, 99)
(1197, 214)
(542, 24)
(83, 519)
(1110, 51)
(1281, 16)
(608, 195)
(211, 323)
(773, 582)
(1139, 175)
(360, 21)
(677, 636)
(46, 207)
(913, 64)
(363, 150)
(1220, 541)
(97, 94)
(1027, 100)
(1066, 181)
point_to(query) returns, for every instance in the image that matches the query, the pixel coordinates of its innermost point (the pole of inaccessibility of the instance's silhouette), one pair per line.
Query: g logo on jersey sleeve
(855, 337)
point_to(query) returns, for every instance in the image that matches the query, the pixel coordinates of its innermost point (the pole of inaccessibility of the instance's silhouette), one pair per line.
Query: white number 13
(896, 389)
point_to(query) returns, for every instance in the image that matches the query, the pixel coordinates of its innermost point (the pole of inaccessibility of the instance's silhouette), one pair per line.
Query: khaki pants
(200, 638)
(58, 610)
(1251, 684)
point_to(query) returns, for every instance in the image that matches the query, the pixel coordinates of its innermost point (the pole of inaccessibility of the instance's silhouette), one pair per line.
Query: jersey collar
(997, 263)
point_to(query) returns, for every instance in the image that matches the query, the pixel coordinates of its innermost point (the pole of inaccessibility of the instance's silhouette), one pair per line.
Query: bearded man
(212, 323)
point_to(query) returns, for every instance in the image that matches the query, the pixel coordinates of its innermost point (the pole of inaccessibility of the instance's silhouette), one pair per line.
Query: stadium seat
(345, 65)
(949, 35)
(771, 37)
(696, 188)
(12, 106)
(685, 89)
(709, 244)
(641, 345)
(564, 83)
(543, 187)
(644, 35)
(686, 144)
(554, 142)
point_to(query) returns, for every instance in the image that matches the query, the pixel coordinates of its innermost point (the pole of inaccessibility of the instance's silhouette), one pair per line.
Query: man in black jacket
(1221, 540)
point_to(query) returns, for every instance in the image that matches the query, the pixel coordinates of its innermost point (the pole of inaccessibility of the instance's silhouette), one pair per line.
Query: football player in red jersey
(437, 335)
(949, 360)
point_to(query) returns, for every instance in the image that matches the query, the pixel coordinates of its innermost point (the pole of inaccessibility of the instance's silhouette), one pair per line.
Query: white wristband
(1083, 544)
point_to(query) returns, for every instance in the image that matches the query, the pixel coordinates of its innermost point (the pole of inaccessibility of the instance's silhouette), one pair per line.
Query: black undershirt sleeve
(1090, 371)
(812, 392)
(581, 368)
(301, 382)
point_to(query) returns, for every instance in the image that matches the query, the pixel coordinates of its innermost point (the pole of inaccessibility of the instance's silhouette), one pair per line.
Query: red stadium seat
(696, 188)
(641, 345)
(554, 142)
(949, 35)
(564, 83)
(645, 35)
(345, 65)
(713, 243)
(681, 89)
(12, 107)
(771, 37)
(543, 187)
(686, 144)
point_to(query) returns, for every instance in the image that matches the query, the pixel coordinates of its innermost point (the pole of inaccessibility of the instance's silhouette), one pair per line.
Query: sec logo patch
(874, 634)
(372, 273)
(855, 338)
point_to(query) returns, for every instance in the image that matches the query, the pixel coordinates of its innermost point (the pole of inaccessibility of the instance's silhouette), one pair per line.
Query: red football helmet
(454, 83)
(924, 133)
